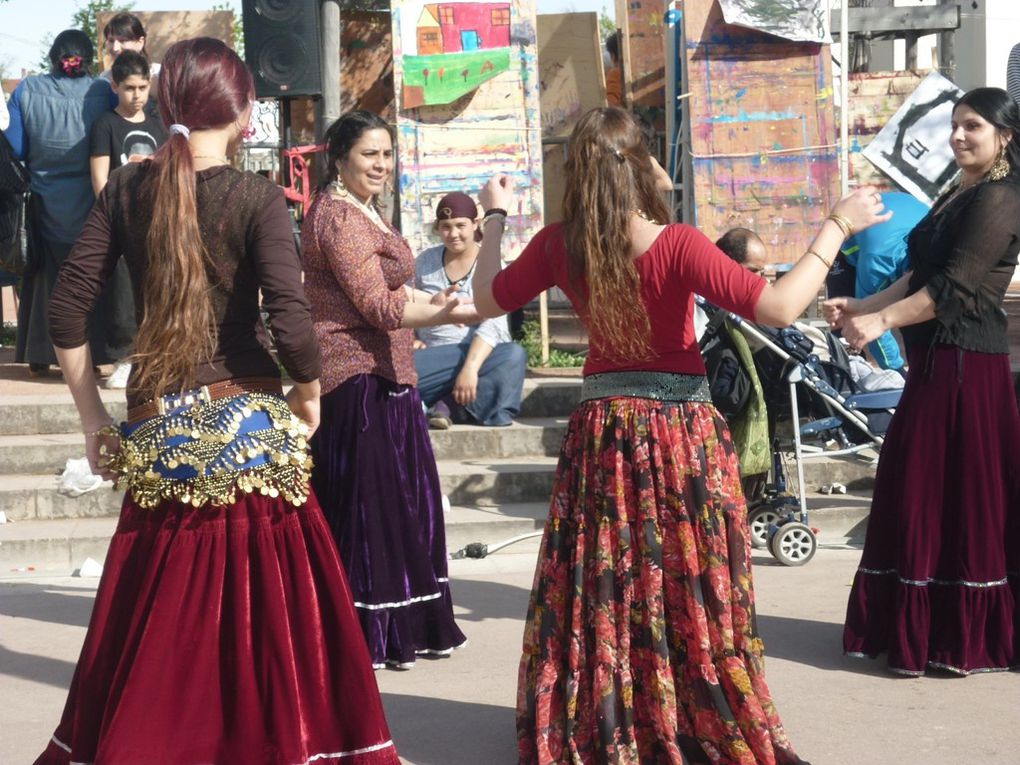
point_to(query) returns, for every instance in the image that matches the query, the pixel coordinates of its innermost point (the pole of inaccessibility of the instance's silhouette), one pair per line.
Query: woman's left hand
(463, 313)
(100, 448)
(861, 330)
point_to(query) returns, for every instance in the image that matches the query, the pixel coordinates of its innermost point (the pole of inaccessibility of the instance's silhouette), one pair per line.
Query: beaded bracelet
(495, 211)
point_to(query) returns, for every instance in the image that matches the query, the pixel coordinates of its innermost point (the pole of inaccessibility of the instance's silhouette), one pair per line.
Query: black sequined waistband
(659, 386)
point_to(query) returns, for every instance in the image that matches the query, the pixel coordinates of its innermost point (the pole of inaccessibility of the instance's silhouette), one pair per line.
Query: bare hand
(861, 330)
(444, 296)
(418, 345)
(837, 310)
(304, 407)
(465, 387)
(463, 313)
(100, 449)
(863, 208)
(498, 192)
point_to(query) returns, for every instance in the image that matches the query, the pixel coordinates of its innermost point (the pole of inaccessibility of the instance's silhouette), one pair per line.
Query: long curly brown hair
(609, 177)
(202, 85)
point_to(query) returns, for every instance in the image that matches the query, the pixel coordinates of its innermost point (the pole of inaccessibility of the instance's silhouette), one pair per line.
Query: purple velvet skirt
(939, 582)
(376, 479)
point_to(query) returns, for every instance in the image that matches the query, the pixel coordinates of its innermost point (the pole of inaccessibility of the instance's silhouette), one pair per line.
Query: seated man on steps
(465, 374)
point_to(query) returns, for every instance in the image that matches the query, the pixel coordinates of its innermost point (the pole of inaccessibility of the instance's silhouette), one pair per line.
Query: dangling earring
(1000, 168)
(338, 187)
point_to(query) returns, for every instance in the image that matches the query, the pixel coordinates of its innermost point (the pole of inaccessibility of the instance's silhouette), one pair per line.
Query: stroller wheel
(759, 520)
(794, 544)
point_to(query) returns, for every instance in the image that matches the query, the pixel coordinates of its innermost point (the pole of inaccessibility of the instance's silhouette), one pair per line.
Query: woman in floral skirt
(640, 644)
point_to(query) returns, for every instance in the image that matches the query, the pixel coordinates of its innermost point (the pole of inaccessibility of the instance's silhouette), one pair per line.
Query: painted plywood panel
(164, 28)
(644, 53)
(366, 63)
(459, 146)
(874, 99)
(572, 81)
(762, 132)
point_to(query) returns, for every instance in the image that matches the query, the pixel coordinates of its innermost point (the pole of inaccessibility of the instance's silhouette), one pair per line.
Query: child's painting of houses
(491, 128)
(452, 48)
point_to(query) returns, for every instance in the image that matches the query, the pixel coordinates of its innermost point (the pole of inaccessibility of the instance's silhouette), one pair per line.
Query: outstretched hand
(838, 310)
(863, 208)
(861, 330)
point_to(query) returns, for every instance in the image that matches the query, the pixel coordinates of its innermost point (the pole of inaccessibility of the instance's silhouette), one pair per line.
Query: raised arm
(782, 302)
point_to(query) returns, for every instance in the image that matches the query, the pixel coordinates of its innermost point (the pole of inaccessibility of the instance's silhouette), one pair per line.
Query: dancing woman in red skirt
(640, 644)
(939, 581)
(223, 629)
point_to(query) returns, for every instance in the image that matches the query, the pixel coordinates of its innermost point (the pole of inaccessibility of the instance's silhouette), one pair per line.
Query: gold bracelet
(828, 264)
(110, 429)
(844, 225)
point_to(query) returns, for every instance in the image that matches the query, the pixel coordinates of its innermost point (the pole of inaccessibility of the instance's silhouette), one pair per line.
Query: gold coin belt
(208, 451)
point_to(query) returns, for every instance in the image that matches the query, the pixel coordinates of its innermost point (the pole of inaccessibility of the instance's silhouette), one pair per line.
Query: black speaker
(282, 47)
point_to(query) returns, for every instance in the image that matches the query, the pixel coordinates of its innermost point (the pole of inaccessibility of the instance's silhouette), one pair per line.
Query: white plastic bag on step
(77, 478)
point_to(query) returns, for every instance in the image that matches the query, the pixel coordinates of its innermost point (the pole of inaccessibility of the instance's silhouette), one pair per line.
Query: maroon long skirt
(939, 581)
(223, 635)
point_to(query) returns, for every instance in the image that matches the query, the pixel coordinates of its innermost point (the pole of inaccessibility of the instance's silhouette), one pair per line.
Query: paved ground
(459, 711)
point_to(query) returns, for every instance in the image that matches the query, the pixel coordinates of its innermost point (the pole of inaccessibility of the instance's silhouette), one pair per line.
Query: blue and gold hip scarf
(202, 451)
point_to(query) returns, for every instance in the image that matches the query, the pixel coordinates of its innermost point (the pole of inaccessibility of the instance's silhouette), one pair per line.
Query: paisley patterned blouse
(354, 278)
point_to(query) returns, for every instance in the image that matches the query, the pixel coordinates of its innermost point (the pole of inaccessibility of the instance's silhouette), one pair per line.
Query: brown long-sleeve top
(247, 233)
(354, 276)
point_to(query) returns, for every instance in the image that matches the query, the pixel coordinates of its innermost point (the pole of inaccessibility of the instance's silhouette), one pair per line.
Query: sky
(24, 24)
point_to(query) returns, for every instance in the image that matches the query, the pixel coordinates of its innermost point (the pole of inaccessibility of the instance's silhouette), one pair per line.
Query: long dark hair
(1000, 109)
(609, 176)
(202, 85)
(344, 133)
(125, 25)
(71, 54)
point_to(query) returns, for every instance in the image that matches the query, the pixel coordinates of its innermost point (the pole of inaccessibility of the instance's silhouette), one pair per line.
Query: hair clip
(619, 155)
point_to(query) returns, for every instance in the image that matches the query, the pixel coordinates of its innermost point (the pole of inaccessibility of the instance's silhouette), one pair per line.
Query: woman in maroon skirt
(223, 629)
(640, 644)
(374, 466)
(939, 581)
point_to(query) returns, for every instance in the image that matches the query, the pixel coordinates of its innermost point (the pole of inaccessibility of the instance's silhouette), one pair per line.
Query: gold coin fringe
(205, 435)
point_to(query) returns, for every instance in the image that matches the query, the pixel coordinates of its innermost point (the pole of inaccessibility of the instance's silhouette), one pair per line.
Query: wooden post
(329, 106)
(911, 40)
(543, 325)
(947, 51)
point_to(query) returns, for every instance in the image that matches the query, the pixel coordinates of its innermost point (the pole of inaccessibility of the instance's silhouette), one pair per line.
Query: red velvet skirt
(223, 635)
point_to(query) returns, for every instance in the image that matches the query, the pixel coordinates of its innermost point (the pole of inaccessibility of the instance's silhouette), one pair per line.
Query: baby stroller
(841, 421)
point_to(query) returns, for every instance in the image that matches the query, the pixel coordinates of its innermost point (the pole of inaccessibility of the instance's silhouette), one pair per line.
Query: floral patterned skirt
(640, 644)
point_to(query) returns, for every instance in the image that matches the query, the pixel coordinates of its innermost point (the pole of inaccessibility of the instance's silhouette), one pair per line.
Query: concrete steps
(498, 480)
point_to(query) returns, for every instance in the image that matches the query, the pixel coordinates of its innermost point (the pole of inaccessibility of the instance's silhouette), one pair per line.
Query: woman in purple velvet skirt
(374, 467)
(939, 581)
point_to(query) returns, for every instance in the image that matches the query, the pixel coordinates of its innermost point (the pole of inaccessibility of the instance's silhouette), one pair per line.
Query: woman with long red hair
(640, 643)
(223, 629)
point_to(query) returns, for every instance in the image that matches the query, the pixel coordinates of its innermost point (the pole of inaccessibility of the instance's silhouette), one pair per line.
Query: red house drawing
(456, 27)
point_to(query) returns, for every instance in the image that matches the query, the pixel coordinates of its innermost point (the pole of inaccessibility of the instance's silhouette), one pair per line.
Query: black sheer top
(964, 252)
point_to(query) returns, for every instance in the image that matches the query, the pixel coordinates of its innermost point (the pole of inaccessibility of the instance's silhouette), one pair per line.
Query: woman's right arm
(346, 245)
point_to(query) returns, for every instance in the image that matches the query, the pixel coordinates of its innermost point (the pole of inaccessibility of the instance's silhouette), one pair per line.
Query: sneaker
(118, 379)
(439, 416)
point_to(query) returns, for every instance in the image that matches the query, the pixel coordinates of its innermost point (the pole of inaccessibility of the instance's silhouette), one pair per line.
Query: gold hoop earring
(1000, 168)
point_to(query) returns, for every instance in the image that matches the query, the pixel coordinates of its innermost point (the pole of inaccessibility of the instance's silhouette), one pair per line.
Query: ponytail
(202, 85)
(178, 330)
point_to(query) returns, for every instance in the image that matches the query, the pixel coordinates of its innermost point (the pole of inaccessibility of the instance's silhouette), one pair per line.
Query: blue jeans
(500, 380)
